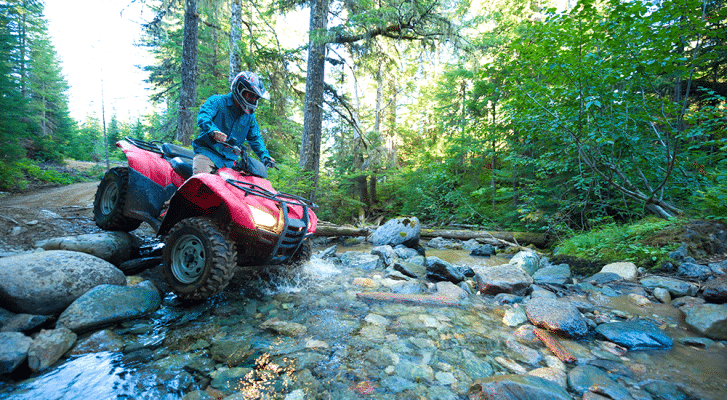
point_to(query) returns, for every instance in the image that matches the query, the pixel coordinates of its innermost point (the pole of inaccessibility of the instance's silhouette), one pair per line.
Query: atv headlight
(263, 218)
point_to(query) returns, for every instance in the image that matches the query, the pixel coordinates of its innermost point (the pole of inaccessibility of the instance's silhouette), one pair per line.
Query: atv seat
(183, 168)
(172, 150)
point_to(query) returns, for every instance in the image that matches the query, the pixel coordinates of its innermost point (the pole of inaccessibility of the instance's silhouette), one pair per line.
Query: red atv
(210, 223)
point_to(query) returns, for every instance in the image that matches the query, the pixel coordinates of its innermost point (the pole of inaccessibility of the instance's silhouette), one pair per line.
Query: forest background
(549, 116)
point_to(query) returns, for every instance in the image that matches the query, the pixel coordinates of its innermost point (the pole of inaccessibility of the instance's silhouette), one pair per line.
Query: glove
(269, 162)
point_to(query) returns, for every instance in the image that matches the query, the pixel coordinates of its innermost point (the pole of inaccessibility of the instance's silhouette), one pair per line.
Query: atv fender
(207, 194)
(151, 165)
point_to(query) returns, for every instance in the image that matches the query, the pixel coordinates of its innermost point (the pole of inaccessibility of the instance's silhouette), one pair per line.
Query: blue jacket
(220, 113)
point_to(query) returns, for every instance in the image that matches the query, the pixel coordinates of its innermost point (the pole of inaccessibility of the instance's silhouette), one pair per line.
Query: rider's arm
(256, 140)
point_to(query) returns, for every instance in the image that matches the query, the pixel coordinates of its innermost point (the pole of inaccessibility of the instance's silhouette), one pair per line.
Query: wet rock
(515, 316)
(507, 298)
(639, 300)
(105, 340)
(692, 270)
(679, 254)
(404, 252)
(49, 281)
(411, 270)
(538, 292)
(386, 253)
(665, 390)
(718, 268)
(472, 365)
(662, 295)
(585, 378)
(232, 352)
(715, 291)
(525, 335)
(13, 350)
(515, 387)
(408, 287)
(402, 230)
(708, 319)
(48, 347)
(442, 243)
(560, 317)
(355, 259)
(449, 289)
(508, 278)
(229, 380)
(108, 304)
(553, 275)
(114, 247)
(635, 335)
(686, 301)
(485, 250)
(555, 375)
(525, 353)
(626, 270)
(440, 270)
(676, 287)
(602, 278)
(23, 322)
(414, 371)
(284, 327)
(527, 260)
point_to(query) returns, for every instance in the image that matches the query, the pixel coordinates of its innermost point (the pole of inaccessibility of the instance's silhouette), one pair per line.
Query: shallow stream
(310, 337)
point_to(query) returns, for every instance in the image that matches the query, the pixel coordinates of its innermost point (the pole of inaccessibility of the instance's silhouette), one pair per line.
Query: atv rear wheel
(199, 258)
(108, 204)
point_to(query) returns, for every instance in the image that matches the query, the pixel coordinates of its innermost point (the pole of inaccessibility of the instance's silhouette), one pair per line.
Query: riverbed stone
(108, 304)
(515, 316)
(527, 260)
(485, 250)
(515, 387)
(23, 322)
(13, 350)
(554, 275)
(708, 319)
(691, 270)
(47, 282)
(114, 247)
(555, 375)
(715, 291)
(602, 278)
(404, 252)
(635, 335)
(402, 230)
(449, 289)
(367, 262)
(626, 270)
(662, 295)
(676, 287)
(103, 340)
(585, 378)
(439, 270)
(557, 316)
(507, 278)
(386, 253)
(48, 347)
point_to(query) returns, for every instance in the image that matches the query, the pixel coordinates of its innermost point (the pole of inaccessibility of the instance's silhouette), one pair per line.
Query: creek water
(309, 336)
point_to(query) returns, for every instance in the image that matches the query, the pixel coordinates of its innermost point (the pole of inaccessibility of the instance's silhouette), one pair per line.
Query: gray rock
(553, 275)
(709, 320)
(23, 322)
(508, 278)
(585, 378)
(49, 281)
(386, 253)
(515, 317)
(114, 247)
(602, 278)
(402, 230)
(108, 304)
(694, 271)
(557, 316)
(676, 287)
(662, 295)
(449, 289)
(665, 390)
(408, 287)
(635, 335)
(679, 254)
(13, 350)
(715, 291)
(404, 252)
(485, 250)
(516, 387)
(104, 340)
(360, 260)
(527, 260)
(411, 270)
(440, 270)
(48, 347)
(718, 268)
(442, 243)
(626, 270)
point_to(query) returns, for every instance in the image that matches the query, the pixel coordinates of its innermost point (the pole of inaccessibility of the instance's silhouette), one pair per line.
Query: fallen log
(328, 229)
(554, 346)
(492, 237)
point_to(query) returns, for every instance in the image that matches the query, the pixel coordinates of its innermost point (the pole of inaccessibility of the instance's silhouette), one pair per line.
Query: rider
(230, 116)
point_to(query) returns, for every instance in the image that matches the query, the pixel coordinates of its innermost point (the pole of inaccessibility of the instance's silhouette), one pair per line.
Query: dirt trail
(44, 213)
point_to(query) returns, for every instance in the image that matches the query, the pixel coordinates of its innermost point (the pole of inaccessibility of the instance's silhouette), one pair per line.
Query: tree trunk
(235, 35)
(188, 91)
(310, 148)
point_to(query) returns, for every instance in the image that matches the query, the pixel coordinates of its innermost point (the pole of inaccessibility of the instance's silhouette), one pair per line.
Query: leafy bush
(713, 201)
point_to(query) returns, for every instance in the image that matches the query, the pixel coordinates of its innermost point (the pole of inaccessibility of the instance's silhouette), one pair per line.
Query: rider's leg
(202, 164)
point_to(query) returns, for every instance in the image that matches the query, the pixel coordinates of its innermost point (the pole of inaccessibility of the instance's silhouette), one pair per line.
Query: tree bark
(188, 91)
(310, 148)
(235, 35)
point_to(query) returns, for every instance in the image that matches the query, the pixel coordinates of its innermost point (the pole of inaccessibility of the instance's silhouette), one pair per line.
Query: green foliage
(616, 242)
(713, 200)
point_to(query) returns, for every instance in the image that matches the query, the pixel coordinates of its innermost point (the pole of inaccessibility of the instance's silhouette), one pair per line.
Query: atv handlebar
(231, 143)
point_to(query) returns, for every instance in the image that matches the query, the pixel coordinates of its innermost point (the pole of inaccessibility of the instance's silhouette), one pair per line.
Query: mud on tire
(199, 258)
(109, 202)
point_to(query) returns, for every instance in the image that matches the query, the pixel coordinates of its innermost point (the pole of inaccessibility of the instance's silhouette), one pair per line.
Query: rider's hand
(269, 162)
(219, 136)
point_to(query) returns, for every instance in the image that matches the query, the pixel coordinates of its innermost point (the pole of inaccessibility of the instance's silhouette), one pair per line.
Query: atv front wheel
(108, 205)
(199, 258)
(301, 256)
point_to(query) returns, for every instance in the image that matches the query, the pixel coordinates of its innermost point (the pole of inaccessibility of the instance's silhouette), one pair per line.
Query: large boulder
(585, 378)
(560, 317)
(635, 335)
(47, 282)
(514, 387)
(715, 291)
(709, 320)
(107, 304)
(553, 275)
(114, 247)
(402, 230)
(507, 278)
(626, 270)
(13, 350)
(527, 260)
(439, 270)
(676, 287)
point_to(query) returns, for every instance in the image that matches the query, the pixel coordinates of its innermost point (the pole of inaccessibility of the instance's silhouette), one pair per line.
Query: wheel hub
(109, 198)
(188, 259)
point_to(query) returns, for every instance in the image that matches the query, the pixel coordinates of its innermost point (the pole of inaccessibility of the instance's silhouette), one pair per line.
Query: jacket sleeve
(206, 115)
(256, 140)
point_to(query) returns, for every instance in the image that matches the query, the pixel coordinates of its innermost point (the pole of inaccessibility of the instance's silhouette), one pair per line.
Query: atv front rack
(294, 230)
